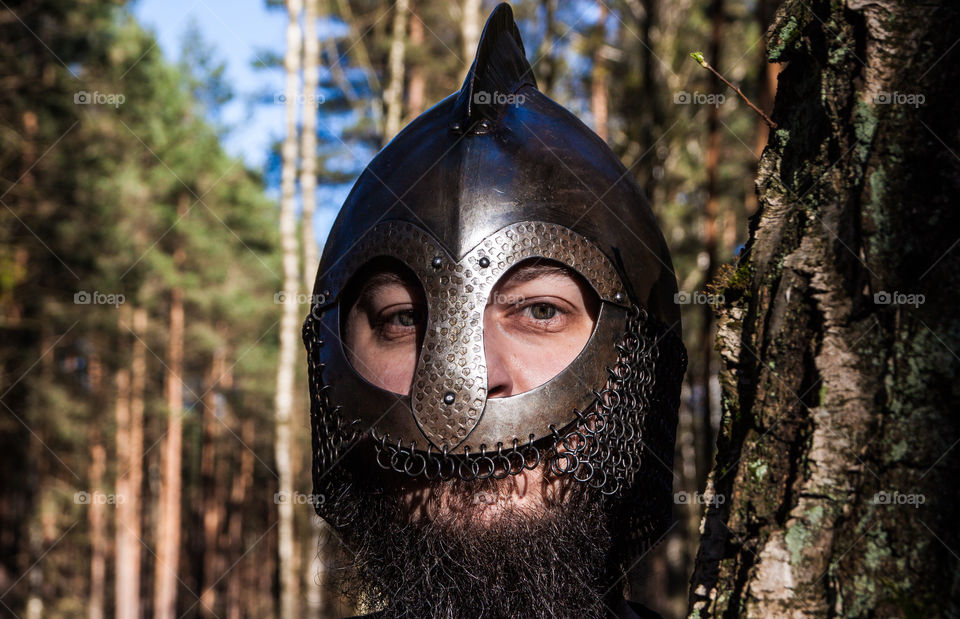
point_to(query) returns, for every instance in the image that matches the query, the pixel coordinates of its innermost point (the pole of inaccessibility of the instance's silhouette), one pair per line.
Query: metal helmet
(493, 175)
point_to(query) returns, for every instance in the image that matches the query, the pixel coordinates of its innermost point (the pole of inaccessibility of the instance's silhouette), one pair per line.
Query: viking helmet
(491, 176)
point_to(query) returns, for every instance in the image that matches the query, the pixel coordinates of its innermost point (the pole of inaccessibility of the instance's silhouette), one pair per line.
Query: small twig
(698, 56)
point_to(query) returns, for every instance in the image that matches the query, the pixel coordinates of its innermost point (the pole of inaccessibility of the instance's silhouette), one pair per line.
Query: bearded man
(495, 361)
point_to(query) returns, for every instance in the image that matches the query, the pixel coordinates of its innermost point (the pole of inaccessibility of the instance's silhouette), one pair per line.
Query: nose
(500, 383)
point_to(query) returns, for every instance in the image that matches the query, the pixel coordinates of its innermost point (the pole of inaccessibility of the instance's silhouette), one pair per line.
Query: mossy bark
(840, 333)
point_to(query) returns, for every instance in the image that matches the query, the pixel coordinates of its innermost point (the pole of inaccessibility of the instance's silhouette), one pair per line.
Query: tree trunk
(289, 325)
(168, 525)
(129, 410)
(238, 497)
(213, 504)
(98, 508)
(393, 96)
(711, 214)
(598, 77)
(470, 24)
(308, 144)
(839, 332)
(417, 87)
(546, 59)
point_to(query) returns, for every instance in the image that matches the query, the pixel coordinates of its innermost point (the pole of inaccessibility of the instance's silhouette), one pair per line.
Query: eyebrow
(529, 272)
(374, 284)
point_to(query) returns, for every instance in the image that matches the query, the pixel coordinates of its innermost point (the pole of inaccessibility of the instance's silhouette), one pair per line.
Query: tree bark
(839, 332)
(393, 96)
(97, 514)
(308, 143)
(213, 503)
(289, 325)
(417, 87)
(599, 95)
(470, 25)
(129, 411)
(168, 525)
(545, 62)
(711, 214)
(238, 496)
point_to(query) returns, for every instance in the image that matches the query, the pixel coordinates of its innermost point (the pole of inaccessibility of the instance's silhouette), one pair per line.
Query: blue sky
(238, 31)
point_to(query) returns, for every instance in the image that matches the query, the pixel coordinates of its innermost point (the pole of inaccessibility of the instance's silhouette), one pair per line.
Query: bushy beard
(549, 561)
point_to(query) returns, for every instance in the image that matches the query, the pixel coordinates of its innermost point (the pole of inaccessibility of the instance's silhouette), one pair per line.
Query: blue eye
(407, 318)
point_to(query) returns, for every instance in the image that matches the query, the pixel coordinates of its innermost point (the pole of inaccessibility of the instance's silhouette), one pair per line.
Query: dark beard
(555, 561)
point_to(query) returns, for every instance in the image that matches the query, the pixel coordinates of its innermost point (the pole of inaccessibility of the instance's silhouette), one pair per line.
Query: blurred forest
(154, 425)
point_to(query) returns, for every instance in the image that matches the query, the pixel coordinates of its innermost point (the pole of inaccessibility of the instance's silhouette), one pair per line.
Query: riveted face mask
(495, 176)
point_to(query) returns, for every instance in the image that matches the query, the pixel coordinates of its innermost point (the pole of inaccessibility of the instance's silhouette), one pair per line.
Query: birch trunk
(289, 324)
(470, 20)
(308, 144)
(839, 333)
(393, 96)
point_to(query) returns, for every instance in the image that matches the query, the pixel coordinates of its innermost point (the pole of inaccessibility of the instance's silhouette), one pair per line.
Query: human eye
(398, 323)
(541, 315)
(542, 311)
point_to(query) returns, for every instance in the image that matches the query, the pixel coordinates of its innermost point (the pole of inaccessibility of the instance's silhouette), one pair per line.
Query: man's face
(537, 320)
(451, 548)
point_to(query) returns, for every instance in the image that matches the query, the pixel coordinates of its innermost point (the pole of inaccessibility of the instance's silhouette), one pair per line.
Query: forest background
(162, 216)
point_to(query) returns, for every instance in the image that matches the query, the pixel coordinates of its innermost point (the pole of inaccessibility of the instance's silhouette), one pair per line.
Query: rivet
(437, 262)
(484, 262)
(449, 398)
(455, 126)
(618, 297)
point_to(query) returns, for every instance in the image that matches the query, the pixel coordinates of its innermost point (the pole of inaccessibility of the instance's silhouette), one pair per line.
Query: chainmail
(621, 445)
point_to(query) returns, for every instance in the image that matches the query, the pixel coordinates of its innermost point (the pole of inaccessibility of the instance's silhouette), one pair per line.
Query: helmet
(493, 175)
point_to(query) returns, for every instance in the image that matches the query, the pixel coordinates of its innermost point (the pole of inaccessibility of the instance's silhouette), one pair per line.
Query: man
(495, 361)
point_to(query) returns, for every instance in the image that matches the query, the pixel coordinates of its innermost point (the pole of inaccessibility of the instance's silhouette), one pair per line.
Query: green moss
(759, 469)
(741, 277)
(785, 38)
(798, 536)
(865, 122)
(898, 451)
(878, 550)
